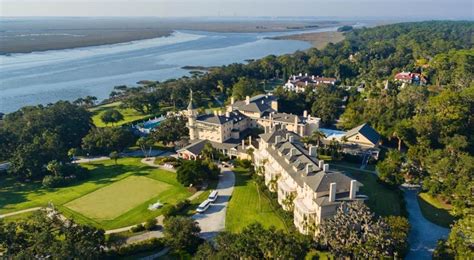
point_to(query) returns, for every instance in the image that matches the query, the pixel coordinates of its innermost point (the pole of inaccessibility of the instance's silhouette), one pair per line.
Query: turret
(191, 113)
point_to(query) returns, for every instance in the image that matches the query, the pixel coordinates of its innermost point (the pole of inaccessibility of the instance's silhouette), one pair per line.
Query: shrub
(51, 181)
(245, 163)
(150, 224)
(153, 244)
(137, 228)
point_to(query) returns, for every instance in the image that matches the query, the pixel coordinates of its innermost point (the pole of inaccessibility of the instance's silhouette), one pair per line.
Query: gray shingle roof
(317, 179)
(365, 130)
(259, 103)
(235, 116)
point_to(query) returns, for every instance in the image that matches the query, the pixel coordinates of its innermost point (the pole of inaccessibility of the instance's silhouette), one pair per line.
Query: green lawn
(116, 199)
(15, 196)
(247, 205)
(382, 200)
(128, 114)
(435, 210)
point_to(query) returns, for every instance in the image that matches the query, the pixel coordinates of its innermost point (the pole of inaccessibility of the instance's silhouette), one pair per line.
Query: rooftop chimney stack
(320, 164)
(309, 168)
(243, 144)
(332, 192)
(288, 136)
(326, 167)
(305, 113)
(312, 77)
(292, 152)
(291, 139)
(277, 139)
(353, 191)
(227, 114)
(232, 100)
(215, 112)
(247, 100)
(313, 151)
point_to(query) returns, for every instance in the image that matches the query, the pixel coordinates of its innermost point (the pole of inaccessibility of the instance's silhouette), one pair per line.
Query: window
(357, 137)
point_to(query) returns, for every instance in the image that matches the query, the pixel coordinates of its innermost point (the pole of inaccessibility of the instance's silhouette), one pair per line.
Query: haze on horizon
(390, 9)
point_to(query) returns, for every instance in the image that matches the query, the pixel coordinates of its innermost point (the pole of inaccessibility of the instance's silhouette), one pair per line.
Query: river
(49, 76)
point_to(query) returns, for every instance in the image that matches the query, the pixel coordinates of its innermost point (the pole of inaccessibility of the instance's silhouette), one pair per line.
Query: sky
(434, 9)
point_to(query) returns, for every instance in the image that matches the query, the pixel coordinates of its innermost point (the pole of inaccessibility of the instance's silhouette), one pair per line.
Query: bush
(153, 244)
(50, 181)
(150, 224)
(245, 163)
(173, 210)
(137, 228)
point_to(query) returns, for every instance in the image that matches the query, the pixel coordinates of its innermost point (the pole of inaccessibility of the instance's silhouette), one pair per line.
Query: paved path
(213, 220)
(19, 212)
(423, 234)
(150, 161)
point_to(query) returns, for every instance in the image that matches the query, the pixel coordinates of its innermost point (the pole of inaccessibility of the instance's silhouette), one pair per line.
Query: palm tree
(208, 151)
(317, 136)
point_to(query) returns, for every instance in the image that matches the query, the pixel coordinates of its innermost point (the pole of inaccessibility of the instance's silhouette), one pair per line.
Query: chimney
(250, 139)
(306, 74)
(352, 194)
(247, 100)
(320, 164)
(305, 113)
(301, 74)
(292, 152)
(326, 167)
(313, 151)
(277, 139)
(243, 144)
(232, 100)
(312, 77)
(215, 112)
(291, 139)
(227, 114)
(288, 136)
(309, 168)
(332, 192)
(294, 77)
(306, 83)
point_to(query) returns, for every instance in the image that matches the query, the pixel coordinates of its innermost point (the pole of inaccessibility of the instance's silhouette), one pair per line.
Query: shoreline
(100, 34)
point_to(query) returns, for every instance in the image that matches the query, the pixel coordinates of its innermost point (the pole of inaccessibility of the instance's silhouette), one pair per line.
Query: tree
(391, 170)
(208, 152)
(256, 242)
(42, 236)
(399, 229)
(106, 139)
(205, 251)
(114, 156)
(37, 135)
(145, 143)
(245, 87)
(170, 130)
(182, 234)
(72, 153)
(54, 167)
(196, 172)
(111, 116)
(355, 232)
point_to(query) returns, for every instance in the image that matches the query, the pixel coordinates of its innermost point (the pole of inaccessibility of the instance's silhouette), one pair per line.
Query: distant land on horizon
(25, 35)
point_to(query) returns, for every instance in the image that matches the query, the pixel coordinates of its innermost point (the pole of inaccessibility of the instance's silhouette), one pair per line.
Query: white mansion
(305, 185)
(299, 83)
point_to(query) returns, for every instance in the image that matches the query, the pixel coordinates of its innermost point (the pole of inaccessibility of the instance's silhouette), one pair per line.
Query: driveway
(213, 220)
(423, 234)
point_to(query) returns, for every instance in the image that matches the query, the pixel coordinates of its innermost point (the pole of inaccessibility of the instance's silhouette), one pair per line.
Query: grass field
(247, 205)
(435, 210)
(114, 200)
(14, 197)
(129, 114)
(382, 200)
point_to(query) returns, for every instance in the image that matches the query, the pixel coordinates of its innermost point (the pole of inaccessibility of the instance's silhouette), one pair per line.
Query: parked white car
(203, 206)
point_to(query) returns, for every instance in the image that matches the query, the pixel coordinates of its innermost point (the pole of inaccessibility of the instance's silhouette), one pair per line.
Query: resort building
(410, 78)
(300, 83)
(305, 185)
(228, 131)
(360, 140)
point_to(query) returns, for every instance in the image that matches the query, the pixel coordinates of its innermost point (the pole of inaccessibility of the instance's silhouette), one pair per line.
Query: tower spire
(191, 105)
